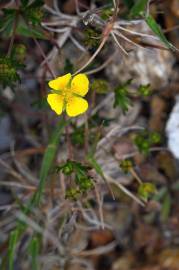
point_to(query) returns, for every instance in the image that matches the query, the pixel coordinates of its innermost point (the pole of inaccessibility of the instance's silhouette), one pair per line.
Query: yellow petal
(80, 84)
(76, 106)
(60, 83)
(56, 103)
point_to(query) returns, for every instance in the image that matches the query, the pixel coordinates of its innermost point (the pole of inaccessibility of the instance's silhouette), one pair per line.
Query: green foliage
(32, 12)
(93, 162)
(122, 96)
(126, 165)
(81, 177)
(34, 15)
(164, 197)
(142, 144)
(40, 104)
(72, 194)
(77, 136)
(97, 120)
(166, 207)
(7, 21)
(19, 53)
(146, 190)
(144, 90)
(100, 86)
(138, 9)
(67, 168)
(158, 31)
(34, 248)
(24, 30)
(11, 249)
(91, 37)
(106, 13)
(154, 137)
(26, 14)
(145, 139)
(48, 159)
(68, 67)
(8, 71)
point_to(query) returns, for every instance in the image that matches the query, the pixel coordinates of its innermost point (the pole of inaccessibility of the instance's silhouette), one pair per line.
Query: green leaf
(40, 104)
(121, 96)
(166, 207)
(34, 248)
(24, 30)
(138, 8)
(48, 160)
(158, 31)
(144, 90)
(93, 162)
(160, 194)
(12, 246)
(7, 22)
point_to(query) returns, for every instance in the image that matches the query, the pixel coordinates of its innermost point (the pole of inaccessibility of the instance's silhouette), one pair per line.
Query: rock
(158, 113)
(172, 129)
(145, 66)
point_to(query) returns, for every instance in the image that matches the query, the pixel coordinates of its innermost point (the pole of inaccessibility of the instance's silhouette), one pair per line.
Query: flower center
(67, 94)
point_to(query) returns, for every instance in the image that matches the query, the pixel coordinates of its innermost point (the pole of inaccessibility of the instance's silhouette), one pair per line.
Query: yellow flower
(68, 93)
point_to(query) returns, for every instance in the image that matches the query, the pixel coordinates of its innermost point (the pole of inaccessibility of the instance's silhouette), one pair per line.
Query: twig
(37, 228)
(119, 45)
(17, 185)
(97, 251)
(93, 56)
(101, 66)
(125, 190)
(100, 205)
(134, 174)
(11, 170)
(45, 58)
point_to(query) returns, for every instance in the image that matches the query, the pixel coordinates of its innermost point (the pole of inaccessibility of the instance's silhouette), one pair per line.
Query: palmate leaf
(122, 101)
(121, 96)
(158, 31)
